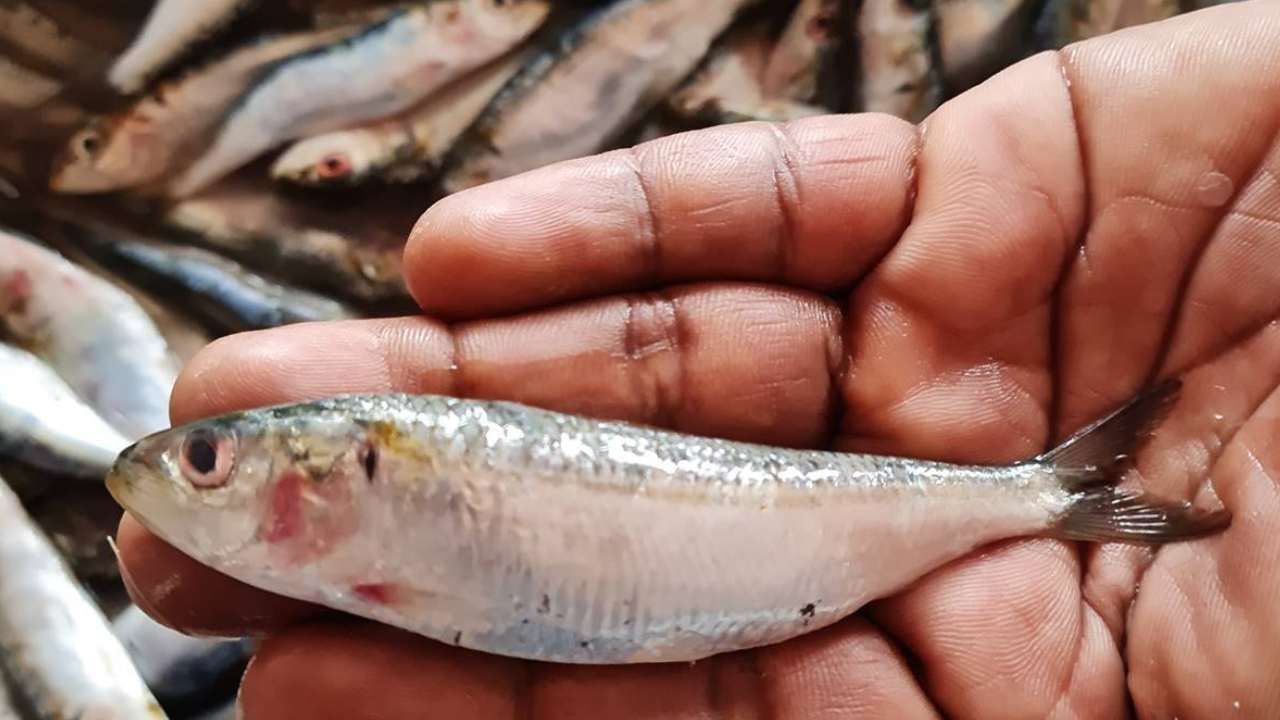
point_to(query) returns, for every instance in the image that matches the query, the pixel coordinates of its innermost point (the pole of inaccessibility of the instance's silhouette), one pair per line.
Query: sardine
(181, 669)
(517, 531)
(43, 422)
(406, 148)
(808, 46)
(727, 87)
(977, 38)
(382, 71)
(152, 139)
(170, 29)
(603, 76)
(218, 290)
(24, 88)
(91, 332)
(898, 73)
(300, 244)
(59, 653)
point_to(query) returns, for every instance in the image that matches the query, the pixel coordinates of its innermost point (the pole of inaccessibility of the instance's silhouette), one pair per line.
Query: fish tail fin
(1092, 462)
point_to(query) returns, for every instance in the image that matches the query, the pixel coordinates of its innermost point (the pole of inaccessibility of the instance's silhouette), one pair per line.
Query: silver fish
(169, 30)
(152, 139)
(380, 72)
(977, 38)
(58, 649)
(91, 332)
(405, 148)
(605, 74)
(898, 74)
(517, 531)
(44, 422)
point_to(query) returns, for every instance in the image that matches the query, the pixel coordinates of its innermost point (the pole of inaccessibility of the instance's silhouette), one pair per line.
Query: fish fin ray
(1108, 513)
(1102, 446)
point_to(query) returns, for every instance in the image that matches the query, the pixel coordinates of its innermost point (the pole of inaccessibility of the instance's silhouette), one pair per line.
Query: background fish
(807, 47)
(898, 73)
(169, 30)
(481, 524)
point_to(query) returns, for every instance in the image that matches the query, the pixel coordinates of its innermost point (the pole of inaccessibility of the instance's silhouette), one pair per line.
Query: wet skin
(971, 289)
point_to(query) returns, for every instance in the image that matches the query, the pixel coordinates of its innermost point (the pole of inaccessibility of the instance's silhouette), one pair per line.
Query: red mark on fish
(285, 520)
(380, 593)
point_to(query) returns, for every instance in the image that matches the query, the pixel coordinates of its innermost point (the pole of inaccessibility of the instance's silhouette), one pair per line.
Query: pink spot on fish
(380, 593)
(285, 520)
(17, 289)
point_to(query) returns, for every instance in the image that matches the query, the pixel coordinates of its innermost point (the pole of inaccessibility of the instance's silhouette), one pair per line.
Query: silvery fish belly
(523, 532)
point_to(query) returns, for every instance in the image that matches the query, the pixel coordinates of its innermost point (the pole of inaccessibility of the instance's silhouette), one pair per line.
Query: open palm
(1031, 256)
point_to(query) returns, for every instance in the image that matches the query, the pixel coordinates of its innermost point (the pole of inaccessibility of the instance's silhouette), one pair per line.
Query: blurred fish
(218, 290)
(150, 140)
(91, 332)
(977, 38)
(727, 86)
(602, 76)
(182, 670)
(405, 148)
(808, 46)
(171, 28)
(77, 518)
(43, 422)
(1099, 17)
(272, 235)
(382, 71)
(898, 73)
(40, 39)
(59, 654)
(24, 88)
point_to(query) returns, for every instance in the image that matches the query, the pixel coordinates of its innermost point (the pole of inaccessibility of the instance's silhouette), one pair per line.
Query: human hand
(1027, 260)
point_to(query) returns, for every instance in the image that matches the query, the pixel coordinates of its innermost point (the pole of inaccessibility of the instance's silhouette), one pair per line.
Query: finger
(846, 671)
(747, 362)
(811, 203)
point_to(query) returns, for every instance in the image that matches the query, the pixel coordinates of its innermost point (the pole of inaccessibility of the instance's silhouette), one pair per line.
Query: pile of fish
(176, 171)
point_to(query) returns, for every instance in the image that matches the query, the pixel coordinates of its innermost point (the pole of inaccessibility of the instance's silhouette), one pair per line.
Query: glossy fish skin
(522, 532)
(397, 62)
(626, 57)
(170, 28)
(898, 73)
(402, 149)
(43, 422)
(221, 291)
(56, 646)
(150, 140)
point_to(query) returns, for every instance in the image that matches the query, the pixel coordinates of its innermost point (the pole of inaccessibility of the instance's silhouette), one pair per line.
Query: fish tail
(1092, 462)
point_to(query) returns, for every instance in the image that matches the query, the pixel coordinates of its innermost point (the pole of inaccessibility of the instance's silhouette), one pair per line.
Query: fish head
(107, 154)
(507, 18)
(332, 159)
(272, 489)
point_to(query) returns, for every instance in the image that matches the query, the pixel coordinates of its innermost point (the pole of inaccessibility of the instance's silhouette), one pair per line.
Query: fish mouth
(120, 478)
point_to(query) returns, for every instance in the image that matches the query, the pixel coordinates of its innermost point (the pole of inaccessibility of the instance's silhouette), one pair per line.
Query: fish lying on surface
(91, 332)
(151, 139)
(601, 77)
(381, 71)
(517, 531)
(401, 149)
(898, 74)
(169, 30)
(58, 652)
(44, 422)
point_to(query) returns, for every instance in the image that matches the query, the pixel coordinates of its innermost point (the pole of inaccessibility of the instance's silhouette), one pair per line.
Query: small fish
(512, 530)
(402, 149)
(181, 669)
(808, 46)
(40, 39)
(977, 38)
(170, 29)
(23, 88)
(92, 333)
(603, 76)
(218, 290)
(382, 71)
(151, 140)
(298, 243)
(57, 649)
(43, 422)
(727, 87)
(898, 72)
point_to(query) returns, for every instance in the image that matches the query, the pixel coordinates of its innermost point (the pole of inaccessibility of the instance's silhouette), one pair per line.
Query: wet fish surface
(511, 530)
(92, 333)
(399, 62)
(600, 77)
(160, 132)
(43, 421)
(59, 653)
(170, 28)
(402, 149)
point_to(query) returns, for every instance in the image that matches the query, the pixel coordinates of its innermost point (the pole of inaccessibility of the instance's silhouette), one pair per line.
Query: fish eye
(206, 458)
(333, 166)
(89, 143)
